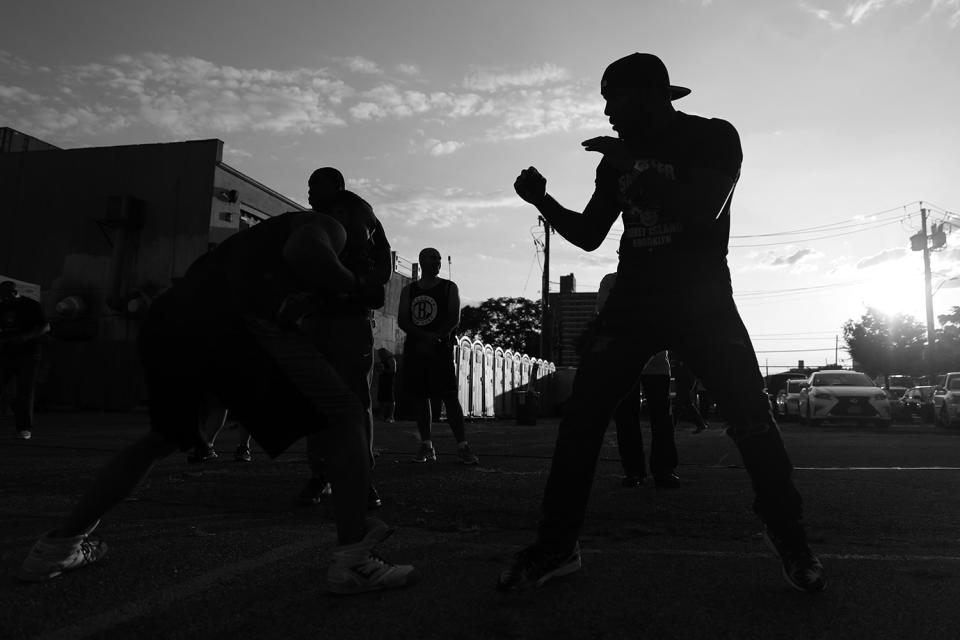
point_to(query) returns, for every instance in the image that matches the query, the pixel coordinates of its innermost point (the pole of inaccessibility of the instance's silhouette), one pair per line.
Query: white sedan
(843, 396)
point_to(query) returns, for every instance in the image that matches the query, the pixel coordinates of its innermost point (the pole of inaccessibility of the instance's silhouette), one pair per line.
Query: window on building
(250, 218)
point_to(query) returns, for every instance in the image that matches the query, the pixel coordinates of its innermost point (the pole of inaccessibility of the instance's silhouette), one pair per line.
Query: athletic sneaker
(202, 454)
(355, 568)
(426, 453)
(51, 556)
(242, 454)
(801, 568)
(316, 491)
(467, 456)
(24, 434)
(532, 567)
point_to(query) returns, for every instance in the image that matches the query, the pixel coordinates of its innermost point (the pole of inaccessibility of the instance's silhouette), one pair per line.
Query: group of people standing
(274, 322)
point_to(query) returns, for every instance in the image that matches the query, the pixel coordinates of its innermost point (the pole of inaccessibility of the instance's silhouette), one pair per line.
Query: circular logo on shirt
(423, 310)
(648, 217)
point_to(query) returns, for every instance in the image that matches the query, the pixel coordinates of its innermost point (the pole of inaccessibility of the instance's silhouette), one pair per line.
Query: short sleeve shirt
(656, 237)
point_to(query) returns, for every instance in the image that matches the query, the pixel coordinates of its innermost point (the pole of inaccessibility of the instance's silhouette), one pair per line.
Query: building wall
(571, 313)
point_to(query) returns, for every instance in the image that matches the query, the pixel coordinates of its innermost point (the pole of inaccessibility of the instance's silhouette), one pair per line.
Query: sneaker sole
(783, 571)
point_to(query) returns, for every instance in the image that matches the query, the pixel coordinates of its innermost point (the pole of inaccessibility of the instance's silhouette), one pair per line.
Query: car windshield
(851, 379)
(793, 386)
(955, 384)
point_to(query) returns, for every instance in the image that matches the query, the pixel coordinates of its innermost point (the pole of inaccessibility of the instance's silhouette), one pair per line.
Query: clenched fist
(530, 185)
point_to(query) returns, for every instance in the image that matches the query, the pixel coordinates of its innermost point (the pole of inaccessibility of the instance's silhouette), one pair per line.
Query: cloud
(884, 256)
(793, 258)
(531, 113)
(821, 14)
(187, 96)
(360, 64)
(487, 81)
(443, 208)
(952, 7)
(408, 69)
(439, 148)
(19, 95)
(857, 13)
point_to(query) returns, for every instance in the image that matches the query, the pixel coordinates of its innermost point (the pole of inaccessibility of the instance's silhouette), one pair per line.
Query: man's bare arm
(312, 252)
(453, 312)
(585, 230)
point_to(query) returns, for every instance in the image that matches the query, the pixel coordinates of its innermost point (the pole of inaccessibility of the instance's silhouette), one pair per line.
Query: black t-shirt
(664, 244)
(374, 265)
(17, 316)
(429, 309)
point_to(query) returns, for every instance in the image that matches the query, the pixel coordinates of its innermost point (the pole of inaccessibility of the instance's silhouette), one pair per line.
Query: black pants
(704, 326)
(663, 447)
(24, 369)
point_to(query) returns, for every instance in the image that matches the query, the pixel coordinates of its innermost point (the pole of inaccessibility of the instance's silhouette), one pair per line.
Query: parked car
(840, 395)
(946, 400)
(915, 402)
(788, 400)
(896, 385)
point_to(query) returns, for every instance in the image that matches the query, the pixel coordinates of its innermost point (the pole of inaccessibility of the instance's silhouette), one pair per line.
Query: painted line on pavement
(104, 622)
(167, 597)
(741, 555)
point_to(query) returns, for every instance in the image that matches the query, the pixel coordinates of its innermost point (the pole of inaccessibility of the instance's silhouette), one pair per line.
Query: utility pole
(836, 348)
(545, 332)
(927, 277)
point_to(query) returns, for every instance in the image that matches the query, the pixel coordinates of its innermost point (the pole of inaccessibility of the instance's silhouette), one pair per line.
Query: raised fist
(530, 185)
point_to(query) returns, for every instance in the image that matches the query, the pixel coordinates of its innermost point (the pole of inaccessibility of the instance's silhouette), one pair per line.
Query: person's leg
(727, 365)
(116, 480)
(26, 374)
(663, 447)
(626, 418)
(455, 418)
(606, 374)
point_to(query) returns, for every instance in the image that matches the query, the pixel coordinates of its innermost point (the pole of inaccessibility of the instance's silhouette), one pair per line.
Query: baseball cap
(639, 70)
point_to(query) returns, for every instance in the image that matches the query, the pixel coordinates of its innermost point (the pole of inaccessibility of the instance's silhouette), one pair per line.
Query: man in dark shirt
(342, 328)
(228, 328)
(22, 323)
(429, 311)
(672, 177)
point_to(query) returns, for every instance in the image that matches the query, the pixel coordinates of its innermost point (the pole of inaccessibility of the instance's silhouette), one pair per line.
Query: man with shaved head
(429, 312)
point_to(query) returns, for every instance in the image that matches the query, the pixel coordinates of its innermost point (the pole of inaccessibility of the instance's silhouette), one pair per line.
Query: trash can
(526, 406)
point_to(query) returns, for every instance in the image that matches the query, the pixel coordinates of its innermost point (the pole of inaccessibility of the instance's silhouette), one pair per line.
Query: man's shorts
(274, 381)
(429, 377)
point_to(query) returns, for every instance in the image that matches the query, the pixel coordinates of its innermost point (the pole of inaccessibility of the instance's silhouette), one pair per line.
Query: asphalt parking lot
(219, 550)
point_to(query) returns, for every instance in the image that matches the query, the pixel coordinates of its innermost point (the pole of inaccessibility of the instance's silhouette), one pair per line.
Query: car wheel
(943, 418)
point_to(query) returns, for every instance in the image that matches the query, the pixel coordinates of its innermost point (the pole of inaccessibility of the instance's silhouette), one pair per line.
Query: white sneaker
(52, 556)
(355, 568)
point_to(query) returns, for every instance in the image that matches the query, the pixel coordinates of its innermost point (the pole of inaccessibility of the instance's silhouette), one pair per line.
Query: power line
(833, 226)
(827, 237)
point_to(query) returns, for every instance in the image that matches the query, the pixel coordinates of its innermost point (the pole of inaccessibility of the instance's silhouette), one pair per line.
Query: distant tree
(947, 355)
(884, 345)
(511, 323)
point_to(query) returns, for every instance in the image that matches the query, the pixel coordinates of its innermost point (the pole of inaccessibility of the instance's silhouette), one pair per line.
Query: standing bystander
(429, 312)
(22, 323)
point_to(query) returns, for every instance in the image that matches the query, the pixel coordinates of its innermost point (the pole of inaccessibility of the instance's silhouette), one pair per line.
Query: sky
(847, 113)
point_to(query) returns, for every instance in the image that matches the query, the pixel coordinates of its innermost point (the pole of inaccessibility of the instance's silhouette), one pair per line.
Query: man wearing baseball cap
(671, 175)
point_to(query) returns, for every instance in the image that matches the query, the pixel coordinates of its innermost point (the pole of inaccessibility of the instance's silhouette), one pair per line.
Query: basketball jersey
(429, 307)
